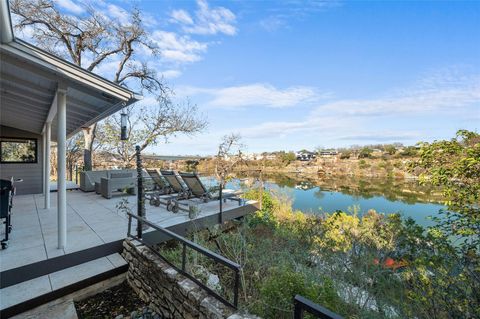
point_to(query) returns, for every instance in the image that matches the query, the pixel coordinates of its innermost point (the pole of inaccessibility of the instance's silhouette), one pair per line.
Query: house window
(18, 150)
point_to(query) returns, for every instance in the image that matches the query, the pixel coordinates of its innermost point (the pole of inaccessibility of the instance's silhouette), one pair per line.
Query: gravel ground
(119, 302)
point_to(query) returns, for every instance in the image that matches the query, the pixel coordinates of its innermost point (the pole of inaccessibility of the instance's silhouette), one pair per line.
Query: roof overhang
(30, 78)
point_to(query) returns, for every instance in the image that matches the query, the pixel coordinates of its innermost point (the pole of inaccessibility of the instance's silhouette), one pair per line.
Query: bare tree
(147, 126)
(74, 153)
(229, 155)
(89, 41)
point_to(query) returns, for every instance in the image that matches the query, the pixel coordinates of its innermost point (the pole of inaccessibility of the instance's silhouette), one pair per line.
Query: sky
(289, 75)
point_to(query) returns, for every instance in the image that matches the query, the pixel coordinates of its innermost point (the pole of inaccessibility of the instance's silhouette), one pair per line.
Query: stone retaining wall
(167, 291)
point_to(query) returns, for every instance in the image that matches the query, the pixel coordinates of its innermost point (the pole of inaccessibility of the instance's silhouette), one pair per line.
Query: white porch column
(61, 162)
(46, 163)
(44, 146)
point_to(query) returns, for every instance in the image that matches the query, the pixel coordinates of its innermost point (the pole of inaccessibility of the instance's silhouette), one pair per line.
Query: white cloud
(382, 136)
(324, 125)
(273, 23)
(149, 20)
(354, 120)
(282, 13)
(177, 48)
(254, 95)
(71, 6)
(171, 74)
(443, 91)
(181, 16)
(118, 13)
(207, 21)
(107, 68)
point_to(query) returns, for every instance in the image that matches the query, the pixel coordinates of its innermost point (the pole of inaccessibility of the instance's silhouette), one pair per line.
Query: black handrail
(302, 304)
(187, 243)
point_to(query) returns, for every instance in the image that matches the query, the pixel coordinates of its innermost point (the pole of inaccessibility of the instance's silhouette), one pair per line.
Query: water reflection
(316, 195)
(408, 192)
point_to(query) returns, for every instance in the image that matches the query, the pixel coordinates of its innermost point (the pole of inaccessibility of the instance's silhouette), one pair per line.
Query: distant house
(305, 156)
(271, 157)
(328, 153)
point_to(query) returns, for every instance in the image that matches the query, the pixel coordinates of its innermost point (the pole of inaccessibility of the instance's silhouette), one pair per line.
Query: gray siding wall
(32, 174)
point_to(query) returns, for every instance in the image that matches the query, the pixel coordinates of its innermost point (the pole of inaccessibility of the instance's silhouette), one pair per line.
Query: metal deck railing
(188, 244)
(302, 304)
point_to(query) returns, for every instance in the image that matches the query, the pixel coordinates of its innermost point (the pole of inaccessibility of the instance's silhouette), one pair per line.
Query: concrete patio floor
(92, 221)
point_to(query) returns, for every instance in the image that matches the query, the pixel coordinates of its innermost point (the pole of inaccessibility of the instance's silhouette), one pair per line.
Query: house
(61, 241)
(45, 99)
(305, 155)
(271, 157)
(328, 153)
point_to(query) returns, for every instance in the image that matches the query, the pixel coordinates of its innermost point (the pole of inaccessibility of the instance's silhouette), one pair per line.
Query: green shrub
(362, 164)
(365, 152)
(409, 151)
(264, 215)
(345, 155)
(390, 149)
(279, 288)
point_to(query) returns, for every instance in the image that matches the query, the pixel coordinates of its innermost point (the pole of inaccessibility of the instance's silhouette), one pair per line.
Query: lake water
(328, 195)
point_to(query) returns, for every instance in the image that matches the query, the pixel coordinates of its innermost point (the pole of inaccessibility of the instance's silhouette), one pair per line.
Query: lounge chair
(157, 188)
(176, 191)
(176, 183)
(160, 185)
(198, 190)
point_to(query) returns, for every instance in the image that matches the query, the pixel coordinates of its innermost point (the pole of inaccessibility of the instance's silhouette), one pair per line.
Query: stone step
(56, 283)
(54, 309)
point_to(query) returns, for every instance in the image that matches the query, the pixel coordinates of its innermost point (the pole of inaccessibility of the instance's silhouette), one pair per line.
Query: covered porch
(46, 99)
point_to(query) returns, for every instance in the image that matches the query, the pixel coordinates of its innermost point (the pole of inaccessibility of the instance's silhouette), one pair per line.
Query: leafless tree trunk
(100, 39)
(147, 127)
(89, 137)
(228, 156)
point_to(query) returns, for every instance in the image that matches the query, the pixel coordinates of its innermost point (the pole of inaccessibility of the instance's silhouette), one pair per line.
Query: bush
(345, 155)
(287, 158)
(365, 152)
(279, 288)
(363, 164)
(410, 151)
(390, 149)
(264, 215)
(342, 260)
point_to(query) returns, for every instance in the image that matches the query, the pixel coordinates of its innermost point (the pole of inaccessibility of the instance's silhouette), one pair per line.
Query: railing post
(140, 199)
(184, 256)
(237, 284)
(76, 173)
(297, 309)
(129, 230)
(220, 217)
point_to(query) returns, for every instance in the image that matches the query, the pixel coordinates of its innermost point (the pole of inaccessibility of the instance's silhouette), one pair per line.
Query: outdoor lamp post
(123, 126)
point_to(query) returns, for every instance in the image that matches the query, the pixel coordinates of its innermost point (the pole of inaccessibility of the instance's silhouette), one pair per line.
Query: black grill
(7, 190)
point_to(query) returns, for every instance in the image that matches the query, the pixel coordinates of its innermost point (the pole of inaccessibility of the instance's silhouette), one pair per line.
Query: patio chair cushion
(109, 186)
(194, 184)
(120, 175)
(173, 180)
(157, 178)
(88, 179)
